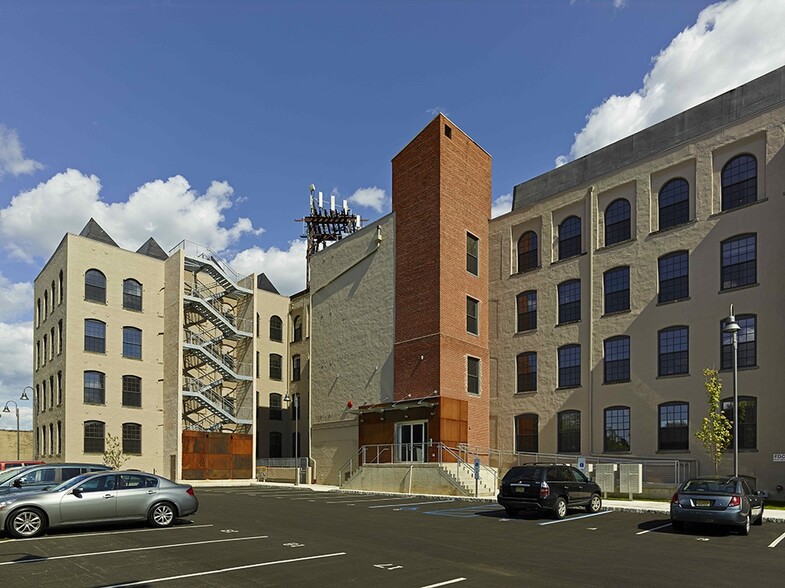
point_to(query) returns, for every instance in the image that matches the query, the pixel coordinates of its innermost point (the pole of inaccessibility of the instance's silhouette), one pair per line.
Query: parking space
(294, 536)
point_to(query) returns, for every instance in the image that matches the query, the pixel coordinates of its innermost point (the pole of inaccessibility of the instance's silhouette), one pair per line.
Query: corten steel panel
(216, 456)
(218, 444)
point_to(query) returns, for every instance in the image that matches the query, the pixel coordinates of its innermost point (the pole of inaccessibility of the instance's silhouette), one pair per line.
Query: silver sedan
(98, 498)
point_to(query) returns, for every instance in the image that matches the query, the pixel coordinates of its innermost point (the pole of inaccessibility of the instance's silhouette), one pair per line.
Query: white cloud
(16, 299)
(501, 205)
(12, 159)
(285, 268)
(16, 367)
(371, 197)
(436, 110)
(731, 43)
(168, 210)
(619, 4)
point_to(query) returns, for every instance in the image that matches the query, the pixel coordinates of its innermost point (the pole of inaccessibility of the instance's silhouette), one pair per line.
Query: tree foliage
(715, 431)
(113, 454)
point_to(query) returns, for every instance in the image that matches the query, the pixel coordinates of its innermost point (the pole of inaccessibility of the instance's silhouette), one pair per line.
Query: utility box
(631, 478)
(605, 476)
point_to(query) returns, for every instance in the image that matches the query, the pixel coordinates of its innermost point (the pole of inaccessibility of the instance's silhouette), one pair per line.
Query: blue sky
(208, 120)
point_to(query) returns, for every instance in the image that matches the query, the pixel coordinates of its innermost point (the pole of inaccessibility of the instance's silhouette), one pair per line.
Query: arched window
(132, 438)
(94, 336)
(616, 283)
(527, 433)
(132, 342)
(276, 365)
(132, 295)
(528, 254)
(295, 368)
(569, 366)
(59, 437)
(94, 388)
(95, 286)
(739, 182)
(674, 202)
(276, 407)
(570, 237)
(569, 301)
(617, 429)
(276, 328)
(298, 329)
(94, 434)
(527, 371)
(38, 312)
(527, 310)
(54, 295)
(46, 304)
(132, 391)
(569, 434)
(60, 287)
(673, 426)
(617, 222)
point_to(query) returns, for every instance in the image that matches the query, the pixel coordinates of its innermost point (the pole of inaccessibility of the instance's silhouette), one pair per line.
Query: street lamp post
(732, 328)
(294, 401)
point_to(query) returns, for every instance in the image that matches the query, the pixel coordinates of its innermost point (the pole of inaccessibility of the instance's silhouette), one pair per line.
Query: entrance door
(410, 441)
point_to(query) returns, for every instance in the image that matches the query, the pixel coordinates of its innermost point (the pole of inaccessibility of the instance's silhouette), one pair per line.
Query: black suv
(551, 488)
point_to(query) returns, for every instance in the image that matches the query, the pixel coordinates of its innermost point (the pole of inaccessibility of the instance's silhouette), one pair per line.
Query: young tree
(715, 430)
(113, 455)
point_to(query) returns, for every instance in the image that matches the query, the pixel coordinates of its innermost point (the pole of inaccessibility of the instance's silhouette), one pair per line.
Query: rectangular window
(674, 350)
(673, 430)
(132, 391)
(617, 289)
(617, 429)
(276, 449)
(527, 311)
(569, 439)
(472, 254)
(275, 367)
(748, 420)
(617, 359)
(674, 274)
(745, 339)
(739, 262)
(295, 368)
(570, 366)
(94, 437)
(527, 372)
(473, 375)
(132, 439)
(569, 301)
(132, 343)
(472, 316)
(526, 433)
(275, 407)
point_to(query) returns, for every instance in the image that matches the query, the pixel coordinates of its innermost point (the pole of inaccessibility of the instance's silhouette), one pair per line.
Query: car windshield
(710, 486)
(72, 483)
(530, 474)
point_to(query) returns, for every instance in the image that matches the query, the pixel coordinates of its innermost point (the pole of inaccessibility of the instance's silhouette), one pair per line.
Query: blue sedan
(719, 500)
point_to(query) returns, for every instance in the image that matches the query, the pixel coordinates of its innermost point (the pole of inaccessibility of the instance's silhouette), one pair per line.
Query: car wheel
(559, 508)
(511, 511)
(745, 530)
(595, 504)
(677, 525)
(25, 523)
(759, 520)
(161, 515)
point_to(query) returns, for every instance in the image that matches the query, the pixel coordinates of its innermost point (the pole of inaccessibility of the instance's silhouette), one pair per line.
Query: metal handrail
(240, 325)
(240, 368)
(197, 251)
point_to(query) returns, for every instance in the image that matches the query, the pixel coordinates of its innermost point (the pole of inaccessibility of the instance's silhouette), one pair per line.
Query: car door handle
(108, 495)
(151, 491)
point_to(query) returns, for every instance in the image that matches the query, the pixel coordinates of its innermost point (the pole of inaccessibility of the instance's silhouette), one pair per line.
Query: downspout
(590, 328)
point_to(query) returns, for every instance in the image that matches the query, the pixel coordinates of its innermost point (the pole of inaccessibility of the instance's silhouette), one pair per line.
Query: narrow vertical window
(295, 368)
(569, 366)
(617, 222)
(527, 310)
(275, 367)
(674, 201)
(527, 372)
(472, 315)
(569, 301)
(528, 254)
(297, 330)
(472, 254)
(276, 328)
(473, 375)
(275, 407)
(570, 237)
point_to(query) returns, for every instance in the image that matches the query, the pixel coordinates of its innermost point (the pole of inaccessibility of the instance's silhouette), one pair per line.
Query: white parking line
(455, 581)
(101, 534)
(586, 516)
(359, 500)
(127, 550)
(411, 504)
(654, 529)
(777, 540)
(234, 569)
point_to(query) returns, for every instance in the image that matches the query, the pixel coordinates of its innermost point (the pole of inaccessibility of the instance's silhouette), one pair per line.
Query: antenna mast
(324, 225)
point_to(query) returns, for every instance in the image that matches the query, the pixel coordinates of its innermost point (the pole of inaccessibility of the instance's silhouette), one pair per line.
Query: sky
(209, 120)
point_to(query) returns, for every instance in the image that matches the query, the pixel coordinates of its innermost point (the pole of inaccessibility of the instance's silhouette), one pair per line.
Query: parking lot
(293, 536)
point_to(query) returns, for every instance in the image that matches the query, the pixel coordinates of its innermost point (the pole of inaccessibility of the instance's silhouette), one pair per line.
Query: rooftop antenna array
(324, 225)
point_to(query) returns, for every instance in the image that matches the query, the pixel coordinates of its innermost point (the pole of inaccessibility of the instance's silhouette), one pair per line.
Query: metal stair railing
(228, 323)
(223, 362)
(208, 260)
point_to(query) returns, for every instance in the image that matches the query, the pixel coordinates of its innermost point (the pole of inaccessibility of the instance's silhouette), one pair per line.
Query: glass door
(410, 442)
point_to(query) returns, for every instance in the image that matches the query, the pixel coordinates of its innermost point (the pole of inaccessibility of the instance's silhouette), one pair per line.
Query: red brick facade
(441, 190)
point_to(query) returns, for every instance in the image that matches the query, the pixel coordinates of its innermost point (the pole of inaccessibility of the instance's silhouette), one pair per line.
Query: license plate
(520, 489)
(703, 503)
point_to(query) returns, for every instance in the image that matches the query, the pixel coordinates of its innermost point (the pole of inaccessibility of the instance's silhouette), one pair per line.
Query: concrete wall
(407, 478)
(8, 442)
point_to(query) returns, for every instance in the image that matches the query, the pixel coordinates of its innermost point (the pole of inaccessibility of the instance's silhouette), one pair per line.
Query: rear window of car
(711, 486)
(525, 474)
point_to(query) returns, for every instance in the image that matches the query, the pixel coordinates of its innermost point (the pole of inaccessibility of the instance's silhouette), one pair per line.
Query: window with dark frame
(569, 433)
(132, 295)
(527, 371)
(569, 366)
(94, 435)
(528, 254)
(739, 261)
(674, 277)
(527, 310)
(674, 347)
(617, 429)
(472, 254)
(132, 343)
(132, 438)
(276, 410)
(95, 286)
(747, 353)
(739, 182)
(276, 328)
(472, 315)
(94, 336)
(276, 444)
(527, 433)
(132, 391)
(473, 375)
(617, 359)
(748, 421)
(276, 364)
(674, 203)
(570, 237)
(569, 301)
(295, 368)
(617, 222)
(297, 330)
(673, 429)
(616, 284)
(94, 388)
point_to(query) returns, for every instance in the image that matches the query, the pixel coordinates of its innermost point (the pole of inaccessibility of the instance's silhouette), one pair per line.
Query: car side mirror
(77, 492)
(18, 483)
